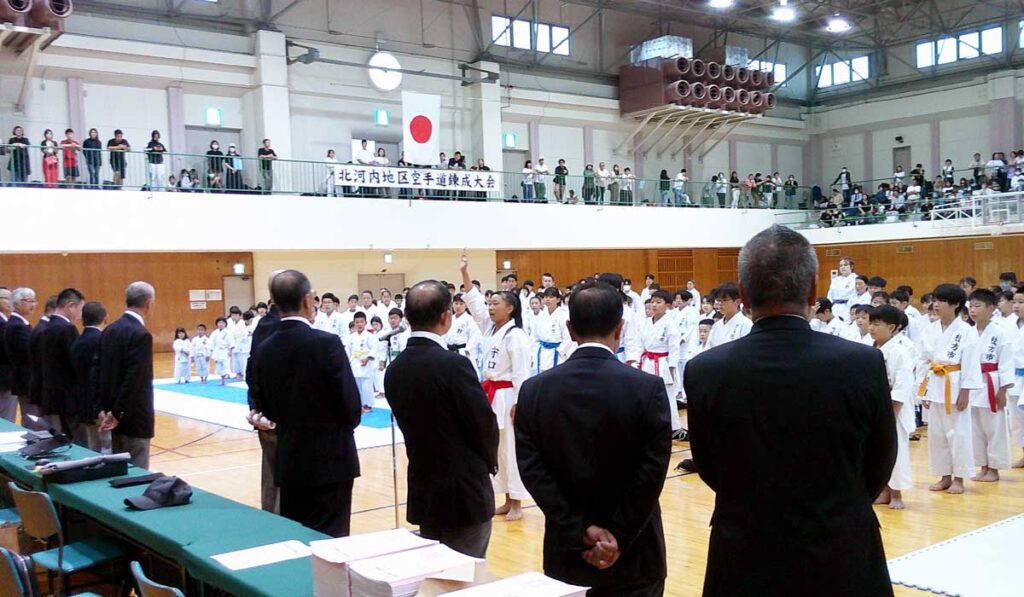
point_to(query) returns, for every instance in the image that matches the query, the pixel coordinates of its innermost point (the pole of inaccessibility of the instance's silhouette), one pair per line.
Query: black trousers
(655, 589)
(325, 508)
(471, 540)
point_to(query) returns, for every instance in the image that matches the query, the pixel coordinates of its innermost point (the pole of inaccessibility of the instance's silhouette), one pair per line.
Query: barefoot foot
(989, 476)
(1019, 463)
(884, 498)
(896, 504)
(515, 512)
(942, 485)
(504, 509)
(956, 487)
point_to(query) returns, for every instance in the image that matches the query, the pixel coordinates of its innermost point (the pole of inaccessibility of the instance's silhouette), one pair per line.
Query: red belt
(986, 369)
(491, 387)
(653, 356)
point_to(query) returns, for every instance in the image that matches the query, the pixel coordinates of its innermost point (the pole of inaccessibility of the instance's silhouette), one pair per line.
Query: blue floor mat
(378, 418)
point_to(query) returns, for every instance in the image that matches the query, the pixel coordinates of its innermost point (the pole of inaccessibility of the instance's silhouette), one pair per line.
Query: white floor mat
(983, 563)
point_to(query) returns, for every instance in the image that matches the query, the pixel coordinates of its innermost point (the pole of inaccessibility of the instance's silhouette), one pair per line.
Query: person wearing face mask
(627, 289)
(234, 165)
(214, 165)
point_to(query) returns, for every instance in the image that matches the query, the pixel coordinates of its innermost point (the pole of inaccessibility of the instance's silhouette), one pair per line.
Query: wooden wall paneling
(728, 265)
(104, 276)
(571, 265)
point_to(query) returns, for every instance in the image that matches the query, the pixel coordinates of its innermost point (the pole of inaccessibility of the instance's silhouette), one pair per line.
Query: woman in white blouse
(332, 168)
(603, 178)
(381, 159)
(506, 365)
(529, 177)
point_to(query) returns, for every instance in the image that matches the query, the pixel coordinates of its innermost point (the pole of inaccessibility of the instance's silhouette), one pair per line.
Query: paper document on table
(369, 545)
(263, 555)
(401, 574)
(531, 584)
(11, 441)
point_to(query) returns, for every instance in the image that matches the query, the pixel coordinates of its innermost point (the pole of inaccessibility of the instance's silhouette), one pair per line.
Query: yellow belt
(942, 370)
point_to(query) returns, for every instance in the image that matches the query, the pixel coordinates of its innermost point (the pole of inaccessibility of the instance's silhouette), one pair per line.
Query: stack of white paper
(401, 574)
(531, 584)
(11, 441)
(332, 557)
(263, 555)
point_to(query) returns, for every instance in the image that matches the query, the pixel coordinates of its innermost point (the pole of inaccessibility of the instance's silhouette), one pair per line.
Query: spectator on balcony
(664, 187)
(381, 160)
(948, 172)
(92, 149)
(917, 175)
(589, 184)
(332, 172)
(721, 189)
(602, 177)
(51, 164)
(185, 181)
(540, 180)
(845, 182)
(363, 157)
(71, 146)
(749, 184)
(234, 165)
(559, 182)
(214, 163)
(18, 164)
(626, 192)
(996, 168)
(155, 151)
(457, 162)
(734, 187)
(614, 185)
(776, 189)
(679, 188)
(899, 175)
(266, 156)
(117, 148)
(977, 168)
(528, 181)
(790, 187)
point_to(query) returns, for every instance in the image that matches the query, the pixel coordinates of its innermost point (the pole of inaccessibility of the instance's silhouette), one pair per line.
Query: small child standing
(201, 350)
(222, 345)
(886, 322)
(364, 347)
(947, 371)
(989, 429)
(182, 354)
(242, 336)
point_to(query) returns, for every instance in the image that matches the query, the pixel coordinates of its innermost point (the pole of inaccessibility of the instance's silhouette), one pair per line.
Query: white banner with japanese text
(358, 175)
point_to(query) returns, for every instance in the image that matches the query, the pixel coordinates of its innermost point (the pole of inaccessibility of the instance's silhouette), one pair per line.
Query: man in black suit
(593, 439)
(794, 431)
(302, 384)
(451, 434)
(35, 360)
(125, 377)
(85, 409)
(16, 340)
(268, 437)
(8, 400)
(58, 373)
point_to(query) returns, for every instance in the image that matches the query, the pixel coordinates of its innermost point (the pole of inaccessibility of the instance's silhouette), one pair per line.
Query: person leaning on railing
(117, 147)
(589, 184)
(18, 164)
(51, 164)
(155, 151)
(92, 149)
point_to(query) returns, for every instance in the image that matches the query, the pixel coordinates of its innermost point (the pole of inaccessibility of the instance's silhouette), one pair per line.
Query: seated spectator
(926, 209)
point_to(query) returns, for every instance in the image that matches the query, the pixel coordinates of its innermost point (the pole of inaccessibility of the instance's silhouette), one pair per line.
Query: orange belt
(986, 370)
(491, 387)
(942, 371)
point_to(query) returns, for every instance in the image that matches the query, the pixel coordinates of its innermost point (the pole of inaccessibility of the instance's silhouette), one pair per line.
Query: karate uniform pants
(182, 370)
(949, 441)
(202, 367)
(508, 480)
(990, 437)
(366, 389)
(673, 410)
(238, 361)
(902, 475)
(1016, 418)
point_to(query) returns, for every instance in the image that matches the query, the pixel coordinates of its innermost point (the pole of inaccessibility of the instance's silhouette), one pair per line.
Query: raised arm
(475, 302)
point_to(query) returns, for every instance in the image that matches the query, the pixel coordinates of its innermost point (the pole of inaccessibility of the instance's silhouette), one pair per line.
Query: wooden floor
(226, 461)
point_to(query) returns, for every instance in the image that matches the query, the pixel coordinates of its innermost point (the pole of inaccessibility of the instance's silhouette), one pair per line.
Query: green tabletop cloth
(210, 525)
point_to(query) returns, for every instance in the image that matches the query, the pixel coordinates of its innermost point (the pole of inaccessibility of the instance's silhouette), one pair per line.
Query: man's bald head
(289, 289)
(426, 303)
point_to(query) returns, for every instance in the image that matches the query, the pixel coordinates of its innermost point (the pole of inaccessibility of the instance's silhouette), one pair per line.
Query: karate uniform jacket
(995, 345)
(506, 355)
(660, 336)
(724, 331)
(221, 343)
(957, 345)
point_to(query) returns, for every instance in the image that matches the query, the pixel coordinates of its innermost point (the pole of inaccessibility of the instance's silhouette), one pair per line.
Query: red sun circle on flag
(421, 129)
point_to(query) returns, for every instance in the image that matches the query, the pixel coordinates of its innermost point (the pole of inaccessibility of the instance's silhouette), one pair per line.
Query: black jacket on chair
(16, 339)
(58, 389)
(301, 379)
(794, 431)
(35, 363)
(451, 435)
(593, 440)
(125, 376)
(83, 359)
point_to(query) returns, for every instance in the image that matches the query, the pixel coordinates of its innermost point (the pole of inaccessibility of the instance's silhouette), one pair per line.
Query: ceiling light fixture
(720, 4)
(784, 13)
(384, 71)
(838, 24)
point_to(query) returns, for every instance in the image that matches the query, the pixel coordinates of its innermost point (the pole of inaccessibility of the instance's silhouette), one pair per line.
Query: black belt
(456, 347)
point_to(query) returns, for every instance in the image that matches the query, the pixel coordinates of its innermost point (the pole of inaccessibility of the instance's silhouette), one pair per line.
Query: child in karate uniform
(242, 335)
(363, 348)
(734, 324)
(948, 369)
(659, 338)
(862, 321)
(396, 342)
(222, 344)
(506, 366)
(989, 430)
(885, 325)
(201, 350)
(182, 349)
(550, 333)
(1016, 394)
(464, 335)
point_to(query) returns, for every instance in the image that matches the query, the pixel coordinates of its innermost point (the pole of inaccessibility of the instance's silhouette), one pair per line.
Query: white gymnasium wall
(753, 158)
(839, 151)
(717, 160)
(791, 161)
(916, 136)
(961, 138)
(232, 113)
(605, 143)
(561, 142)
(338, 271)
(47, 108)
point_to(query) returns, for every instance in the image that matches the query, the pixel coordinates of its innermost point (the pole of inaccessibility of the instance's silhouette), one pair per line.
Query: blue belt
(621, 350)
(549, 346)
(840, 301)
(1018, 372)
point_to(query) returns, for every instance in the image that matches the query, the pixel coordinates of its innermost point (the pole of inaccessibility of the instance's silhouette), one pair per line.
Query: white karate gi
(466, 334)
(629, 343)
(661, 337)
(363, 346)
(950, 450)
(724, 331)
(836, 327)
(1015, 395)
(506, 358)
(201, 349)
(842, 292)
(182, 348)
(329, 323)
(990, 430)
(638, 303)
(864, 299)
(221, 345)
(687, 319)
(242, 335)
(899, 368)
(397, 344)
(551, 338)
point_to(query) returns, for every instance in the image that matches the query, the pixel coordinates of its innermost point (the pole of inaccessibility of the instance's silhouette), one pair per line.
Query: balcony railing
(979, 209)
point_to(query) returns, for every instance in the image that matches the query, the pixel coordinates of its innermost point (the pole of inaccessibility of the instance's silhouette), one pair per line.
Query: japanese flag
(421, 115)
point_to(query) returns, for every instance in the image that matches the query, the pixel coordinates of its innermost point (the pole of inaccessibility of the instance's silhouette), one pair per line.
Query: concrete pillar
(869, 161)
(937, 158)
(535, 152)
(588, 146)
(732, 158)
(174, 138)
(272, 103)
(774, 159)
(76, 109)
(1004, 114)
(485, 118)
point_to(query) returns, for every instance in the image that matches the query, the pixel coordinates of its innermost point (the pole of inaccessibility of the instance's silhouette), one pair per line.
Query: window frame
(543, 38)
(825, 75)
(960, 47)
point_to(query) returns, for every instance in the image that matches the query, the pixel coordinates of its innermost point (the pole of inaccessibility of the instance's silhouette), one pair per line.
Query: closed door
(901, 157)
(238, 292)
(197, 143)
(512, 163)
